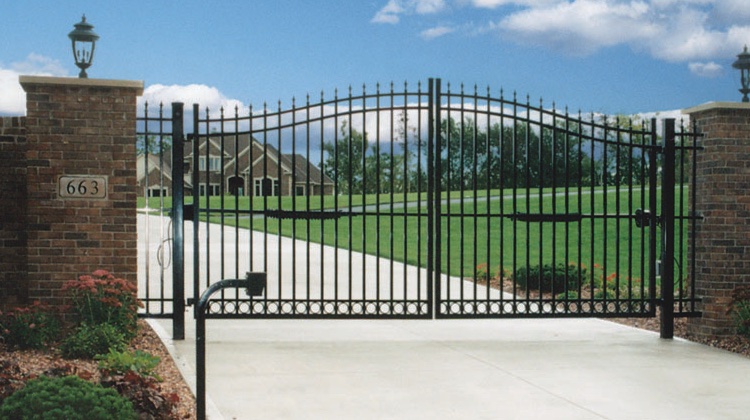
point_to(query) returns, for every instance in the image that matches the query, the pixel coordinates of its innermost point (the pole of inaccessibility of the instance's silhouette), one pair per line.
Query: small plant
(482, 272)
(144, 393)
(89, 340)
(69, 397)
(133, 375)
(30, 327)
(103, 299)
(739, 308)
(121, 362)
(547, 278)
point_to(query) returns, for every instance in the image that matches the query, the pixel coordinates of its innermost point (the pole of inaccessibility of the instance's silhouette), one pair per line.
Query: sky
(604, 56)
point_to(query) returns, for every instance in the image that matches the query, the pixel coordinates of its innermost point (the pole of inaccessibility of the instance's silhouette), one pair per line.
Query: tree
(345, 160)
(152, 145)
(508, 156)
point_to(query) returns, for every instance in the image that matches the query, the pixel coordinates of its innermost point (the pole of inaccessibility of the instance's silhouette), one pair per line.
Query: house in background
(154, 177)
(246, 167)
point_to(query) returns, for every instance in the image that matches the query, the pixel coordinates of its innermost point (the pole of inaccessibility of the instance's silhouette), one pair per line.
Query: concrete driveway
(460, 369)
(446, 369)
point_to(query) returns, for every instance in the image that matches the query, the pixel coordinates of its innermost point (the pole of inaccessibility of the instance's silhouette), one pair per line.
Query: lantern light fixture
(84, 40)
(743, 65)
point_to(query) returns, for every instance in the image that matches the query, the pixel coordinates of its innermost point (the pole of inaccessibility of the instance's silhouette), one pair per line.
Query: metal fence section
(329, 198)
(160, 279)
(543, 213)
(426, 201)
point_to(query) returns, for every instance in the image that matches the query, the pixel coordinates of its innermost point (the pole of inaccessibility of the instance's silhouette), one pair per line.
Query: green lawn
(487, 237)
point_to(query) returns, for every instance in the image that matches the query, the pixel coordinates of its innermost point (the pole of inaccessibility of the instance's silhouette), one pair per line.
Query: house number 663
(82, 189)
(83, 186)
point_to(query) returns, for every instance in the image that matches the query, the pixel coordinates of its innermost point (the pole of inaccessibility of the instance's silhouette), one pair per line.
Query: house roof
(302, 166)
(153, 165)
(235, 146)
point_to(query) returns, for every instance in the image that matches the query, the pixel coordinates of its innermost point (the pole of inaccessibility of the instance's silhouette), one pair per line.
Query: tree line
(520, 155)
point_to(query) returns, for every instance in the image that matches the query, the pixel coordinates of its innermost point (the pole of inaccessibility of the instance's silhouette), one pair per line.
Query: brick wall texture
(13, 287)
(78, 129)
(723, 237)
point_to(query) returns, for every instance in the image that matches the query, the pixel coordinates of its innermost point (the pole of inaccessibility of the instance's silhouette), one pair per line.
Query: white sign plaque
(83, 186)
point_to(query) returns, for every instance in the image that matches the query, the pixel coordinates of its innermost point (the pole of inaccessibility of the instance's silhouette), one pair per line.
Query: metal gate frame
(434, 108)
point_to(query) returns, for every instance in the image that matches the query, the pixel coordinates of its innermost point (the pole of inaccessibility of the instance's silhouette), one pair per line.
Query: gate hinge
(190, 302)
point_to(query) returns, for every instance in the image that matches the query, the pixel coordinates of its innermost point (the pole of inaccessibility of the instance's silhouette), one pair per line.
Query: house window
(266, 187)
(236, 185)
(213, 189)
(214, 163)
(299, 190)
(157, 192)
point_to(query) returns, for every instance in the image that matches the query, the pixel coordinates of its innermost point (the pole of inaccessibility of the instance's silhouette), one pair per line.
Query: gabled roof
(302, 166)
(153, 165)
(239, 145)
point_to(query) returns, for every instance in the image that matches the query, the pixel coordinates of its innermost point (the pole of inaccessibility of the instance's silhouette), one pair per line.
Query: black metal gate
(425, 202)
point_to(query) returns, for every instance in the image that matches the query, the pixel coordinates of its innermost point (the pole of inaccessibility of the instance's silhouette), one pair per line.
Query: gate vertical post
(178, 223)
(436, 180)
(667, 226)
(653, 182)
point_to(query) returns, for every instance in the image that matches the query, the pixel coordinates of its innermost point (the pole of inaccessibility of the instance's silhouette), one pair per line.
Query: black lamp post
(84, 40)
(743, 65)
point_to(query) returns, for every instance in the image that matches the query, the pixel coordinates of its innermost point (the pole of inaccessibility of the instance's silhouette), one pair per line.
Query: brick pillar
(13, 287)
(723, 197)
(81, 180)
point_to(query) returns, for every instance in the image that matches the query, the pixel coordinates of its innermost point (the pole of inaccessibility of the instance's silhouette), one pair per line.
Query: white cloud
(670, 30)
(391, 12)
(686, 31)
(709, 69)
(13, 98)
(493, 4)
(436, 32)
(39, 65)
(423, 7)
(732, 11)
(583, 26)
(207, 96)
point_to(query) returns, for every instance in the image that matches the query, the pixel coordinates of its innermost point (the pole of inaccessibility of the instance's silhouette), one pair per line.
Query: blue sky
(610, 56)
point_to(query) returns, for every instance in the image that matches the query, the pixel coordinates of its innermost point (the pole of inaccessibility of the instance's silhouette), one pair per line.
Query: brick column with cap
(723, 237)
(80, 181)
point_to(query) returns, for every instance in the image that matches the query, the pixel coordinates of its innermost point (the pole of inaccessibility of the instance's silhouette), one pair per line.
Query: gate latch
(642, 218)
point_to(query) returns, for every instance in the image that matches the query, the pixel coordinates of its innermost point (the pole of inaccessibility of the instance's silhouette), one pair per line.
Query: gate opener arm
(254, 284)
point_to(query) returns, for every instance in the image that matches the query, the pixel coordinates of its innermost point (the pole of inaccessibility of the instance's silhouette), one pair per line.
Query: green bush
(120, 362)
(31, 327)
(548, 278)
(103, 299)
(89, 340)
(66, 398)
(740, 310)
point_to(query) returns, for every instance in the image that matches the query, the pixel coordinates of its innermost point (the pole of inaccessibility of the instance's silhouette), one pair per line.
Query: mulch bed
(18, 366)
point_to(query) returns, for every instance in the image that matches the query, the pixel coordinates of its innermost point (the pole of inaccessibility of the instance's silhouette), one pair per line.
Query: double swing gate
(427, 202)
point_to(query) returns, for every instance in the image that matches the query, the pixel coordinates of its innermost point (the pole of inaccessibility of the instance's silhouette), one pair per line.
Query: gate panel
(541, 213)
(328, 198)
(422, 203)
